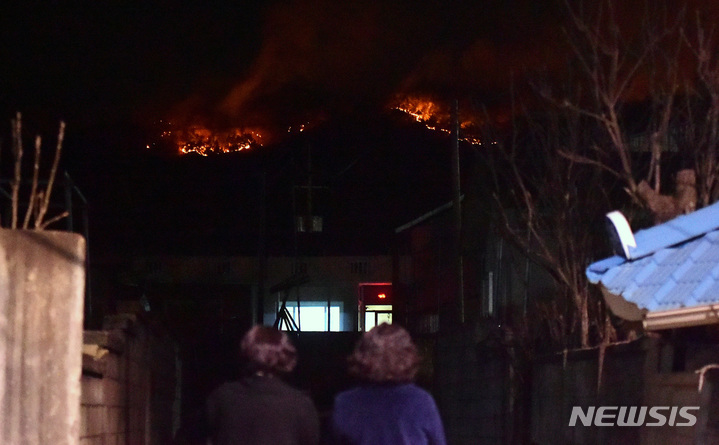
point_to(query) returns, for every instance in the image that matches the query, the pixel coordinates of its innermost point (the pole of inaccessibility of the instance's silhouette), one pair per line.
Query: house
(319, 294)
(459, 322)
(666, 276)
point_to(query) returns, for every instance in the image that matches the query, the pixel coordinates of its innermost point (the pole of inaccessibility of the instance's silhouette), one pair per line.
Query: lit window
(316, 223)
(308, 223)
(377, 314)
(317, 316)
(300, 224)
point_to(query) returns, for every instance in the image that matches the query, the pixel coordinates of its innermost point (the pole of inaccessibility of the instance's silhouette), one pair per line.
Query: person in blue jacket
(387, 407)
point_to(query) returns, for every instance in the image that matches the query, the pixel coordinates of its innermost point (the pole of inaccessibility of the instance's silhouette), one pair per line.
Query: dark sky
(104, 63)
(106, 66)
(109, 65)
(275, 61)
(109, 61)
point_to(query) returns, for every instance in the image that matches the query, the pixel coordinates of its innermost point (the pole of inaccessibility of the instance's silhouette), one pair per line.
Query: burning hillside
(316, 61)
(437, 116)
(205, 141)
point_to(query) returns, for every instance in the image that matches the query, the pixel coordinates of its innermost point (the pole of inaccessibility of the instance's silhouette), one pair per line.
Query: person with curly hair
(261, 408)
(387, 407)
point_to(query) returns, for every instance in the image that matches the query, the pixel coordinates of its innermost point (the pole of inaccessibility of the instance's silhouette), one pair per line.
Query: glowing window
(372, 319)
(317, 316)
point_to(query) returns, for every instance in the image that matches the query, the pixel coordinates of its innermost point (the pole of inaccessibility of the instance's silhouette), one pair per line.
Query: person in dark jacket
(387, 408)
(262, 409)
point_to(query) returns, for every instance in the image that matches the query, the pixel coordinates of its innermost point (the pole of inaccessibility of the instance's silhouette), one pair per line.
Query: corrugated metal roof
(675, 231)
(674, 265)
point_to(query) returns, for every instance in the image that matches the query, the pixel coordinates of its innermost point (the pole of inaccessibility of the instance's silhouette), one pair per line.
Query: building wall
(424, 280)
(471, 390)
(327, 278)
(333, 278)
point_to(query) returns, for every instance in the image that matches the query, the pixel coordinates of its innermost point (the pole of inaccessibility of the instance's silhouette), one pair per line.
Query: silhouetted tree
(636, 112)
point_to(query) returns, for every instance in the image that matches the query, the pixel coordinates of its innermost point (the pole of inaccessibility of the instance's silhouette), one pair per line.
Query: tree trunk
(584, 317)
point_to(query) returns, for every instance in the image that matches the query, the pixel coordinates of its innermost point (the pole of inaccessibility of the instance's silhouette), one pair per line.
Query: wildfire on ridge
(436, 117)
(204, 141)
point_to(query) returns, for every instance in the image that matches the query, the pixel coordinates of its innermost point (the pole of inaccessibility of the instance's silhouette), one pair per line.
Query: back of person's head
(268, 350)
(385, 354)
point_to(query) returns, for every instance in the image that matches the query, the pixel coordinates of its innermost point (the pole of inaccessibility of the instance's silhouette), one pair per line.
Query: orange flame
(205, 141)
(421, 110)
(436, 117)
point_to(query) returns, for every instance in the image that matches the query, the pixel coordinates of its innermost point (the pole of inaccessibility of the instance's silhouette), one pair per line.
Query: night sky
(271, 62)
(111, 63)
(113, 70)
(104, 63)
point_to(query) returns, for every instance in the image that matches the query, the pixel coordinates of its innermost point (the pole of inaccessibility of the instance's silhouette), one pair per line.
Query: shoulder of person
(415, 389)
(349, 393)
(228, 389)
(281, 385)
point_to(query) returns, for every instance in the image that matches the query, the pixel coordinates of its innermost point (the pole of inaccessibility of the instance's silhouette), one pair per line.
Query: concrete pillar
(42, 286)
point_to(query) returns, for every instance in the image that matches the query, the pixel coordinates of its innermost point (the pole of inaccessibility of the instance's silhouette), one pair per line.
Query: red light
(376, 293)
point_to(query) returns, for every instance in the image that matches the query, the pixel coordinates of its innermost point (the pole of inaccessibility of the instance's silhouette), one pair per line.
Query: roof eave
(682, 318)
(621, 307)
(658, 320)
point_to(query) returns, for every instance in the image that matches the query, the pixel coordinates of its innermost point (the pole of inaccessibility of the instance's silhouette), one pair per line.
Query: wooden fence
(130, 383)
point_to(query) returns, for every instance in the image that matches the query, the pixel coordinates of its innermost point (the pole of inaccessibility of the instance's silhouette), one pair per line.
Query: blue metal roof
(675, 231)
(674, 265)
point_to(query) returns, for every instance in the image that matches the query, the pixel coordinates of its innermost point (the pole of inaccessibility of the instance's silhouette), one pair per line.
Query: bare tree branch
(51, 180)
(35, 177)
(54, 219)
(17, 151)
(38, 200)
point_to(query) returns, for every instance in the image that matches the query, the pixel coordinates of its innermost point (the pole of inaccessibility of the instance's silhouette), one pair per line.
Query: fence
(633, 375)
(130, 385)
(473, 390)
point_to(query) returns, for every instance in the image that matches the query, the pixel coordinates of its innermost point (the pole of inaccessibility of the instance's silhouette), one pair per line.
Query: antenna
(620, 233)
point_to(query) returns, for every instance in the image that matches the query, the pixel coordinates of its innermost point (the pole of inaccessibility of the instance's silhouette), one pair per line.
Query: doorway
(375, 305)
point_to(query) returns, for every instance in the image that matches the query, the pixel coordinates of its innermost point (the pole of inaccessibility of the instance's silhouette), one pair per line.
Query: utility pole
(259, 305)
(456, 206)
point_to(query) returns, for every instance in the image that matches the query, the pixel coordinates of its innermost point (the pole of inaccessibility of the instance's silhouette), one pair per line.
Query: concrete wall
(634, 374)
(129, 384)
(559, 383)
(42, 282)
(471, 390)
(485, 398)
